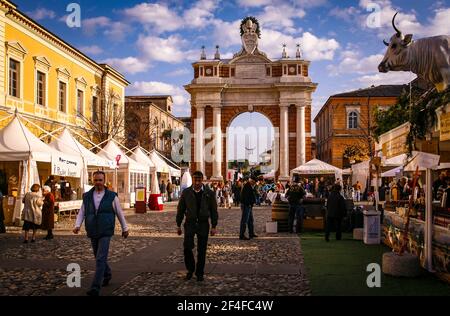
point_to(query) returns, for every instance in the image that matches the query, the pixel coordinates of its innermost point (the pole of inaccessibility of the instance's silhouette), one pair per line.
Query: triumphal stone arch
(250, 81)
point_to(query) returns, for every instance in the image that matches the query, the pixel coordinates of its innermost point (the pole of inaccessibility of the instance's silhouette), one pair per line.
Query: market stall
(429, 228)
(317, 167)
(66, 143)
(25, 160)
(126, 174)
(142, 158)
(163, 168)
(315, 206)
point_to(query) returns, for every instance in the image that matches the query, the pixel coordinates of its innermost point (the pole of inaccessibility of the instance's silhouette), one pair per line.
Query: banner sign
(444, 126)
(66, 167)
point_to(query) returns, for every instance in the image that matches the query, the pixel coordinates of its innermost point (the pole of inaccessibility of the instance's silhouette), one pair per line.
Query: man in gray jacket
(198, 204)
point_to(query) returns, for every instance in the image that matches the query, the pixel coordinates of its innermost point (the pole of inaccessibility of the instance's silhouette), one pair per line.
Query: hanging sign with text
(65, 166)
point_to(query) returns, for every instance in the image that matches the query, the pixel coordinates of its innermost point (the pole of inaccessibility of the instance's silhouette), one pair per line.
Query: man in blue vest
(197, 204)
(99, 209)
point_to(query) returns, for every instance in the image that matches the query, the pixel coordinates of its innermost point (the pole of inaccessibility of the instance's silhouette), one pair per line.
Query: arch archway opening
(250, 146)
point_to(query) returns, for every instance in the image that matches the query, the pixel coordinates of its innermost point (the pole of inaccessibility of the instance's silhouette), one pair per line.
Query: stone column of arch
(284, 143)
(199, 158)
(301, 134)
(217, 162)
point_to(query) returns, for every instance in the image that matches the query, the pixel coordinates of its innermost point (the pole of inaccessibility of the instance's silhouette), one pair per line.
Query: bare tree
(107, 118)
(140, 130)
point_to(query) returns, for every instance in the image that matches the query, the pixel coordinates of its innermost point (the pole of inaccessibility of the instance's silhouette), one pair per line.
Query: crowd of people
(170, 191)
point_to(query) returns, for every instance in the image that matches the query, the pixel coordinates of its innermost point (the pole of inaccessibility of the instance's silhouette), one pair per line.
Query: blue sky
(154, 43)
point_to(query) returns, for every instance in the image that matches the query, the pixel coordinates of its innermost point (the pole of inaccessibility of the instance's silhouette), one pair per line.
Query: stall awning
(111, 151)
(392, 173)
(18, 143)
(396, 161)
(422, 160)
(68, 144)
(142, 158)
(317, 167)
(162, 165)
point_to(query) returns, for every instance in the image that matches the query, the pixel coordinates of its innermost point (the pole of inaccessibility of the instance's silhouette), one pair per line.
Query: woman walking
(48, 209)
(32, 212)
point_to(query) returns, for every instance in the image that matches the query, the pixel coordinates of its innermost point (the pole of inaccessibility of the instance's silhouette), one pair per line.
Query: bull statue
(428, 58)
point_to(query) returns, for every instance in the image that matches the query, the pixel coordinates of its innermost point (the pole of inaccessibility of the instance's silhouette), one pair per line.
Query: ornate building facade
(149, 122)
(346, 119)
(49, 81)
(250, 81)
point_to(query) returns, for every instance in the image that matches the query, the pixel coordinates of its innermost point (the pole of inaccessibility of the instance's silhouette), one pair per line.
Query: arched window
(353, 120)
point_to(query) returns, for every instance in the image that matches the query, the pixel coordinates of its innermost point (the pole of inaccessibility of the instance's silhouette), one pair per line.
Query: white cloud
(351, 61)
(407, 22)
(129, 65)
(42, 14)
(227, 33)
(439, 25)
(114, 30)
(399, 77)
(90, 25)
(155, 15)
(159, 18)
(200, 14)
(308, 3)
(179, 95)
(253, 3)
(91, 50)
(280, 17)
(117, 31)
(294, 3)
(163, 49)
(179, 72)
(313, 48)
(344, 13)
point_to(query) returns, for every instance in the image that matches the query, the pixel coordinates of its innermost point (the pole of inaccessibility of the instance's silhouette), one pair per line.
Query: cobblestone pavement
(150, 261)
(214, 285)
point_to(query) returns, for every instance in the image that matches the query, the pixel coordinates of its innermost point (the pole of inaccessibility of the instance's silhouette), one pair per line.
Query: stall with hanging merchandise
(25, 160)
(412, 206)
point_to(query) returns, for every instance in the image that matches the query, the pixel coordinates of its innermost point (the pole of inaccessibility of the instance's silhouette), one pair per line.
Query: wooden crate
(316, 223)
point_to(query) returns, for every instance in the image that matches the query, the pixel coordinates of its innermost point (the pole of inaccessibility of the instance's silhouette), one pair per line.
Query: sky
(153, 43)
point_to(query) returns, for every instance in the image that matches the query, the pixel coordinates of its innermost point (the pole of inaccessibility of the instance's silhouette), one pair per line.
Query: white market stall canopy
(399, 160)
(68, 144)
(18, 143)
(392, 173)
(317, 167)
(111, 151)
(142, 158)
(422, 160)
(162, 165)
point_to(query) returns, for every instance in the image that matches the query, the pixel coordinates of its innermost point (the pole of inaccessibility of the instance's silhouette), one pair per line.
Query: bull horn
(393, 24)
(385, 43)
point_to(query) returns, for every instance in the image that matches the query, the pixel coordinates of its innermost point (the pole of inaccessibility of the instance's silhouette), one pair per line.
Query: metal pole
(115, 180)
(428, 223)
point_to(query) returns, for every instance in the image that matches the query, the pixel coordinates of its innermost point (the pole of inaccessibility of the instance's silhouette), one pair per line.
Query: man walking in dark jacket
(198, 204)
(99, 209)
(248, 199)
(335, 212)
(295, 196)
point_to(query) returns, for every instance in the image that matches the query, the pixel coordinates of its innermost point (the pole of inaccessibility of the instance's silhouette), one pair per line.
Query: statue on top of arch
(250, 33)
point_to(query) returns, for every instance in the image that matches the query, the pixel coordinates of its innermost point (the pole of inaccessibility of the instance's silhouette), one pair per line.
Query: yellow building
(49, 81)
